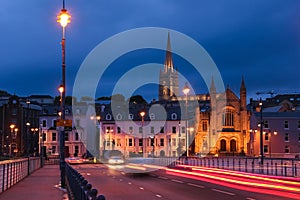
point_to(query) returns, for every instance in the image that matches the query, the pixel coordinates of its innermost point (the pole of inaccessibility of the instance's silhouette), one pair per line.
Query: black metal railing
(13, 171)
(271, 166)
(78, 188)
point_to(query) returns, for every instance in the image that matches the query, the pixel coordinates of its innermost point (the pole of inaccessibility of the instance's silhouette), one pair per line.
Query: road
(116, 185)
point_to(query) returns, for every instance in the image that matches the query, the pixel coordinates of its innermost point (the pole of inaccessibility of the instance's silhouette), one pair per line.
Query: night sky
(257, 39)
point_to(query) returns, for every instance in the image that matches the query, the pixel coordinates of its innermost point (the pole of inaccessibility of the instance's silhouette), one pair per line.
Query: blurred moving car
(116, 160)
(76, 160)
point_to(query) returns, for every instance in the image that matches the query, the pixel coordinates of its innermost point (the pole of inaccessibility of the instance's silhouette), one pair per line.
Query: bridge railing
(78, 187)
(271, 166)
(13, 171)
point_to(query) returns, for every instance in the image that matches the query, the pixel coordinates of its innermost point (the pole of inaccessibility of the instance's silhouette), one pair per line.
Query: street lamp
(274, 133)
(186, 90)
(261, 134)
(142, 115)
(27, 127)
(64, 19)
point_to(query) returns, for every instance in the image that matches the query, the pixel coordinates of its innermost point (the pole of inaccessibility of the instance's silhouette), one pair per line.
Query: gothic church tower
(168, 77)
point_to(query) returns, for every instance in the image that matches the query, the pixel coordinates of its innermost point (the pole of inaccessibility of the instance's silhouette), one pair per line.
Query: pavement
(41, 184)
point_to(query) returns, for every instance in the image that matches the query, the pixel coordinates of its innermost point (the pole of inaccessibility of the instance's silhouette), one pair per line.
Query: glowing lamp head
(142, 114)
(64, 18)
(186, 89)
(61, 89)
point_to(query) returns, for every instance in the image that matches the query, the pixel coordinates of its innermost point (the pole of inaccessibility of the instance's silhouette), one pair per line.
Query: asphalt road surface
(117, 185)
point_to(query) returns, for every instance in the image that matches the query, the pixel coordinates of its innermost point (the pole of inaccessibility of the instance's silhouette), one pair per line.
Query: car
(74, 160)
(116, 160)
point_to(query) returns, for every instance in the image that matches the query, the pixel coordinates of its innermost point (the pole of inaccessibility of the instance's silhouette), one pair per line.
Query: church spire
(169, 61)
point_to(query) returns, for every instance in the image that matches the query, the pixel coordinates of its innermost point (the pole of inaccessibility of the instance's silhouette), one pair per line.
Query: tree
(138, 99)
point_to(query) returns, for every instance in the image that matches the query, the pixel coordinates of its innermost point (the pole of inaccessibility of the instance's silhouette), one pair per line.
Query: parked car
(76, 160)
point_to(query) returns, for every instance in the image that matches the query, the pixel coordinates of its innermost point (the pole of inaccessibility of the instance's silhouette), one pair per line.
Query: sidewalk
(41, 184)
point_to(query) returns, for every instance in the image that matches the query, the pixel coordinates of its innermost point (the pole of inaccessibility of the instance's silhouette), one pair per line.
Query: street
(115, 184)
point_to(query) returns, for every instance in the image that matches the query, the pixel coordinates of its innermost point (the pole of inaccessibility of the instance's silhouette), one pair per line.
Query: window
(232, 145)
(152, 129)
(118, 129)
(118, 142)
(298, 137)
(266, 136)
(54, 123)
(130, 142)
(204, 126)
(286, 137)
(223, 145)
(119, 116)
(298, 124)
(44, 123)
(266, 148)
(162, 142)
(76, 150)
(266, 124)
(108, 117)
(228, 118)
(66, 136)
(152, 116)
(183, 129)
(286, 124)
(76, 136)
(53, 149)
(286, 149)
(140, 142)
(44, 136)
(174, 116)
(140, 129)
(53, 136)
(173, 141)
(162, 129)
(130, 116)
(130, 129)
(173, 129)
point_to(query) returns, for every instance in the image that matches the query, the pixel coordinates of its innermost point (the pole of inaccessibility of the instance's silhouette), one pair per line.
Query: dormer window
(152, 116)
(108, 117)
(119, 116)
(174, 116)
(130, 116)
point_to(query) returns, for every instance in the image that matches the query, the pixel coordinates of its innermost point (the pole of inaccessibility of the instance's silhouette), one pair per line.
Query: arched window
(130, 116)
(223, 145)
(152, 116)
(228, 118)
(174, 116)
(108, 117)
(232, 145)
(119, 116)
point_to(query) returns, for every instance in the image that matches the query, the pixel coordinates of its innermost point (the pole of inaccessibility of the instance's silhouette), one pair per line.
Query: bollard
(93, 194)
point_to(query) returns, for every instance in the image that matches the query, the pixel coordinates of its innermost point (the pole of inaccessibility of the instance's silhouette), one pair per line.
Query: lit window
(228, 118)
(204, 126)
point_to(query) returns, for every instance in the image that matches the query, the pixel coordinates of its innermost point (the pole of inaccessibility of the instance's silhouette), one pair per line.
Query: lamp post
(64, 19)
(186, 90)
(275, 133)
(27, 129)
(99, 139)
(261, 134)
(142, 115)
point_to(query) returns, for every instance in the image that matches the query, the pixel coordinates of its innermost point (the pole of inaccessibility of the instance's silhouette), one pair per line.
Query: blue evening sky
(257, 39)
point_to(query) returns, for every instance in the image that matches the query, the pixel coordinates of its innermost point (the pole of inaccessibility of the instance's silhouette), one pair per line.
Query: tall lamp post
(64, 19)
(261, 134)
(186, 90)
(142, 115)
